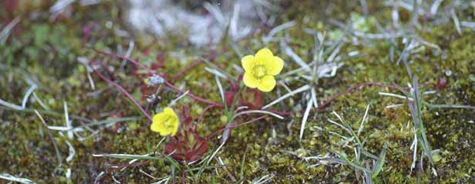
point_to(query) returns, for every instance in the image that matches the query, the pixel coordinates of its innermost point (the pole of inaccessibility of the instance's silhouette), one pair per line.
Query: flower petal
(165, 132)
(157, 122)
(274, 66)
(170, 130)
(264, 55)
(249, 80)
(267, 83)
(169, 111)
(161, 122)
(247, 62)
(155, 127)
(174, 130)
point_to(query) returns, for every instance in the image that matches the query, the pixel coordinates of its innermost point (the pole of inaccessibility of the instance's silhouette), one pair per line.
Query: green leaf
(380, 162)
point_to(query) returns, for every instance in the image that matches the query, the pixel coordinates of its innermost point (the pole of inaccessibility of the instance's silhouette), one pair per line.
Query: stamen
(259, 71)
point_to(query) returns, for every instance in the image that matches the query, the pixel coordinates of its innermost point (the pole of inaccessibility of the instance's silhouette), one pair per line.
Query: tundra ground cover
(370, 92)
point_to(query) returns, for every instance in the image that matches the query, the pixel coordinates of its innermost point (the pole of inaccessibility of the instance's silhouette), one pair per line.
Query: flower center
(259, 71)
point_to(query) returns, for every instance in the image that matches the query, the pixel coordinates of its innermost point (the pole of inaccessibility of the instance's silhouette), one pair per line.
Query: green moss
(47, 53)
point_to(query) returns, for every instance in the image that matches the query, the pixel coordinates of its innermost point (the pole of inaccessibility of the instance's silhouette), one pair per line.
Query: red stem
(203, 113)
(193, 96)
(126, 58)
(166, 82)
(125, 92)
(192, 65)
(349, 90)
(323, 105)
(235, 126)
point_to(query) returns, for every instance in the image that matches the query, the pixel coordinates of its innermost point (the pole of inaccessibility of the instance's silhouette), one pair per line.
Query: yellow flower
(259, 70)
(166, 122)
